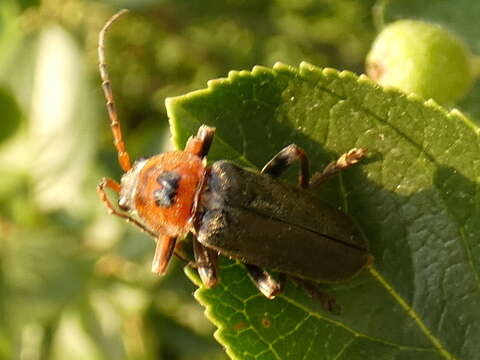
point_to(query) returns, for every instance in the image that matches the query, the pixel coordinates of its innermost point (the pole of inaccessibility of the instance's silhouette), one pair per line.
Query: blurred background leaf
(10, 112)
(75, 282)
(458, 16)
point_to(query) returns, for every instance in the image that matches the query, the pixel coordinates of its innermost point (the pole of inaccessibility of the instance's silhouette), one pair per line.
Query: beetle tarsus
(345, 161)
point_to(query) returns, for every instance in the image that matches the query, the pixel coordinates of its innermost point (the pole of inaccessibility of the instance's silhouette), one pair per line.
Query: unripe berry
(421, 58)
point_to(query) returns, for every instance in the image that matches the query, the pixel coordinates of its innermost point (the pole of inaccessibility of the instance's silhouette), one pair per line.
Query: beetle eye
(122, 204)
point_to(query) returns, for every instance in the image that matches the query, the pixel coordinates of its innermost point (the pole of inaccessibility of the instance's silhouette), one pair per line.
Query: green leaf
(11, 114)
(62, 122)
(415, 200)
(459, 16)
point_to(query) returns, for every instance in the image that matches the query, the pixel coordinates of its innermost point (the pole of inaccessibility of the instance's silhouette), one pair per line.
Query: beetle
(244, 214)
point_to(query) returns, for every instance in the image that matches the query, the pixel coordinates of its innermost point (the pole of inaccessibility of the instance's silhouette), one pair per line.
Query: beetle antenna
(123, 157)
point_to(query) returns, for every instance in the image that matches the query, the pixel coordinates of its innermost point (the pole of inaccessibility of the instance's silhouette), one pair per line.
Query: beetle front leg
(265, 282)
(200, 144)
(113, 185)
(286, 157)
(344, 162)
(206, 263)
(163, 253)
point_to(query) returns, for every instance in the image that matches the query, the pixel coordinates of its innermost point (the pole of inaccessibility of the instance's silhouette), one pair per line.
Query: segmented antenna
(123, 157)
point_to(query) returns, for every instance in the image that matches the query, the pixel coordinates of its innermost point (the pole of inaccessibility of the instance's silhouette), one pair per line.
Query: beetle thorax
(163, 191)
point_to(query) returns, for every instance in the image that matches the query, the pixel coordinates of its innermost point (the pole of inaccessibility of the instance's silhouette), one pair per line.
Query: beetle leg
(344, 162)
(200, 144)
(184, 254)
(327, 301)
(163, 253)
(113, 185)
(206, 263)
(284, 159)
(265, 282)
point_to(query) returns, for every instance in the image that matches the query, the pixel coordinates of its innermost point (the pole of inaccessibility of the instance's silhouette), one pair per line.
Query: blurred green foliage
(75, 282)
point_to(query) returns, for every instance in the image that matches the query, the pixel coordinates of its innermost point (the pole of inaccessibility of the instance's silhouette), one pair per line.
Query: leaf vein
(436, 342)
(349, 329)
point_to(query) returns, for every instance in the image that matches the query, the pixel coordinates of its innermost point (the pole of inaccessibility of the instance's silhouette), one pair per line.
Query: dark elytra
(264, 222)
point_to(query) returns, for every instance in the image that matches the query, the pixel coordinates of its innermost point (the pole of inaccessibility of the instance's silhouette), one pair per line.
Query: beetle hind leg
(328, 302)
(265, 282)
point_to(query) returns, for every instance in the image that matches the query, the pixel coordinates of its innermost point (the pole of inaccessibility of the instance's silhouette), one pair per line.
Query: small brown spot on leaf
(266, 323)
(240, 326)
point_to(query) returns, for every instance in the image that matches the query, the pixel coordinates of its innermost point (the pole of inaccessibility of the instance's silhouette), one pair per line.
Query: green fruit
(421, 58)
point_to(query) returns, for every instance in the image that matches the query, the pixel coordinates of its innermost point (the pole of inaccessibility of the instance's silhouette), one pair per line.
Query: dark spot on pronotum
(165, 196)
